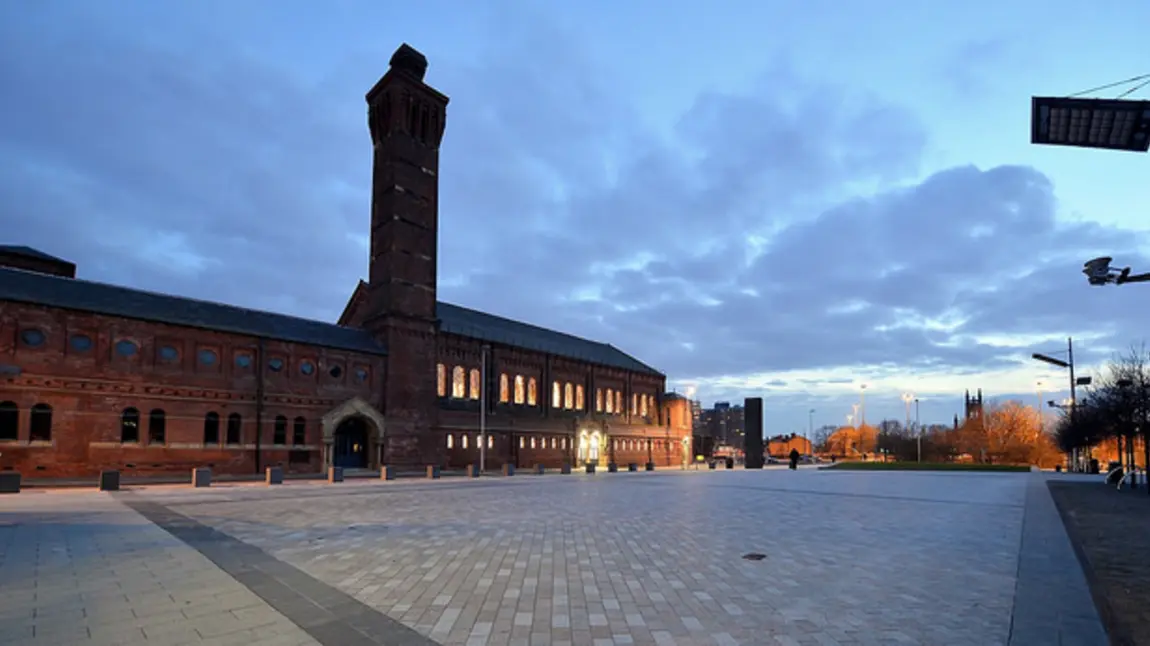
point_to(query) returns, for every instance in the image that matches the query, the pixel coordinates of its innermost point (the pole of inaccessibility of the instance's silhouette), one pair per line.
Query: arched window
(235, 428)
(532, 442)
(643, 405)
(532, 398)
(9, 421)
(41, 428)
(520, 441)
(157, 426)
(520, 390)
(458, 384)
(578, 398)
(450, 441)
(504, 389)
(130, 425)
(634, 404)
(552, 442)
(610, 408)
(598, 400)
(491, 441)
(441, 380)
(556, 395)
(279, 431)
(212, 428)
(473, 379)
(619, 402)
(299, 432)
(463, 440)
(568, 396)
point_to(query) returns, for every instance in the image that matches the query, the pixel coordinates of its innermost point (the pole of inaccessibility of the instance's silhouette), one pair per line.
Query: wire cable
(1135, 88)
(1142, 77)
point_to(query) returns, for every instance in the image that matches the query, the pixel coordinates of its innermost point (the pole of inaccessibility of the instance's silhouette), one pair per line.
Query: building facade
(96, 376)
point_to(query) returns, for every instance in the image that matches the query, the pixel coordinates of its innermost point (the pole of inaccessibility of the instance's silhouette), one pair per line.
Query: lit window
(463, 440)
(520, 391)
(619, 402)
(490, 441)
(441, 380)
(579, 397)
(521, 442)
(634, 404)
(458, 386)
(610, 401)
(450, 441)
(532, 442)
(556, 395)
(552, 442)
(643, 405)
(504, 389)
(474, 383)
(568, 396)
(531, 394)
(598, 400)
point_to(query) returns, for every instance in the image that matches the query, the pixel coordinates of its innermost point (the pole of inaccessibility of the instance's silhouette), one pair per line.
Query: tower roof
(409, 60)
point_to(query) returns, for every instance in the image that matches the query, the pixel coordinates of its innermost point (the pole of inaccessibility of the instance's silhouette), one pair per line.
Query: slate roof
(87, 296)
(21, 250)
(454, 319)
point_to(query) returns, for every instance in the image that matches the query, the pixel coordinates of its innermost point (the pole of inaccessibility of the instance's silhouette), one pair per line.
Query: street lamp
(1069, 364)
(1099, 272)
(810, 430)
(907, 398)
(1106, 124)
(483, 409)
(862, 405)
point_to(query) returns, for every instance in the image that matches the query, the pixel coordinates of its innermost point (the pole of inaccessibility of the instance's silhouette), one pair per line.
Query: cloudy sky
(776, 198)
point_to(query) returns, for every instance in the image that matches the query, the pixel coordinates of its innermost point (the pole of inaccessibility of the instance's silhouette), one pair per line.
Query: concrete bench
(632, 466)
(274, 475)
(612, 467)
(334, 474)
(590, 467)
(9, 482)
(201, 477)
(650, 466)
(472, 471)
(109, 481)
(387, 472)
(433, 472)
(508, 469)
(565, 469)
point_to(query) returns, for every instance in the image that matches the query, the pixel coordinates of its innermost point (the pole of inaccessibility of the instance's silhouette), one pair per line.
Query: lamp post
(810, 430)
(483, 409)
(1074, 382)
(918, 427)
(862, 405)
(907, 398)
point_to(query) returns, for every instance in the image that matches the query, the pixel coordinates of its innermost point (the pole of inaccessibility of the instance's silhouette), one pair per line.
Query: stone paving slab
(81, 568)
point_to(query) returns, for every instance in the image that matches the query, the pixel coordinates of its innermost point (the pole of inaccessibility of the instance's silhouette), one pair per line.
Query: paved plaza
(628, 558)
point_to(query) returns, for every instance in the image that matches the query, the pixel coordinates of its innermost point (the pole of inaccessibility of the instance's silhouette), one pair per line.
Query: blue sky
(760, 198)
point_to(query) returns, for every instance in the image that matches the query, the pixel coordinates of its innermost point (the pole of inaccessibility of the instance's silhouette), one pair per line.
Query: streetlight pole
(1074, 382)
(483, 409)
(1041, 423)
(918, 427)
(907, 398)
(810, 430)
(862, 405)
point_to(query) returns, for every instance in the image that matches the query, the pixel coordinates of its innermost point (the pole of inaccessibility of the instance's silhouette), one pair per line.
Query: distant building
(971, 407)
(725, 423)
(780, 446)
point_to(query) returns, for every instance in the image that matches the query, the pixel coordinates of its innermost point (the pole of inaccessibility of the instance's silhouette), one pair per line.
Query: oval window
(244, 360)
(126, 348)
(275, 365)
(32, 338)
(307, 367)
(335, 372)
(168, 353)
(207, 357)
(81, 342)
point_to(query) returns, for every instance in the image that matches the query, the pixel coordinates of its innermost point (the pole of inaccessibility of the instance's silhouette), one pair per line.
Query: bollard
(109, 481)
(631, 466)
(612, 467)
(508, 469)
(539, 469)
(565, 469)
(433, 472)
(334, 474)
(590, 467)
(201, 477)
(650, 466)
(387, 472)
(472, 471)
(9, 482)
(274, 475)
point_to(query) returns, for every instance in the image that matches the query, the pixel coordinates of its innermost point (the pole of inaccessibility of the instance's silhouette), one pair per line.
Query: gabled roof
(21, 250)
(474, 324)
(87, 296)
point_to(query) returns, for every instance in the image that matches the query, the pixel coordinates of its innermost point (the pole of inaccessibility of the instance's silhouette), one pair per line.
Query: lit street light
(1099, 272)
(1106, 124)
(907, 398)
(1069, 364)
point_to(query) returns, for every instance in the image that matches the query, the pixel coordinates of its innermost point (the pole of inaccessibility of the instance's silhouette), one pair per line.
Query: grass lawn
(924, 466)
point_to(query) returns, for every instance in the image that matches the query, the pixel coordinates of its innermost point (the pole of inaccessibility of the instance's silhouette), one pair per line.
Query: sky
(765, 198)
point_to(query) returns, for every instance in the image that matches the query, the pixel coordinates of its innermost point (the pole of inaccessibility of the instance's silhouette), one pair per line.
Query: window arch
(532, 399)
(473, 382)
(299, 432)
(568, 396)
(504, 389)
(212, 428)
(579, 403)
(556, 395)
(157, 426)
(458, 384)
(279, 431)
(520, 390)
(41, 427)
(441, 380)
(450, 441)
(129, 425)
(610, 407)
(9, 421)
(235, 428)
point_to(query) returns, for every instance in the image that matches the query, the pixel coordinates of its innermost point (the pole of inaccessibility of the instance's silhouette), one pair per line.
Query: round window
(335, 372)
(307, 367)
(32, 338)
(81, 342)
(244, 360)
(207, 357)
(126, 348)
(361, 374)
(168, 353)
(275, 365)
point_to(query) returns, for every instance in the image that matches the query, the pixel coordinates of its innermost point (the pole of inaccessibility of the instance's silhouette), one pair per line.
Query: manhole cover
(754, 556)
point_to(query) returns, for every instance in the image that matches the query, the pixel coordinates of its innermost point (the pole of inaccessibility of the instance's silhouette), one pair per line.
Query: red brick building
(96, 376)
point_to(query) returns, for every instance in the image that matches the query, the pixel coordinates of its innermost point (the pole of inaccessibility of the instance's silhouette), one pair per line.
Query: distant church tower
(972, 407)
(406, 118)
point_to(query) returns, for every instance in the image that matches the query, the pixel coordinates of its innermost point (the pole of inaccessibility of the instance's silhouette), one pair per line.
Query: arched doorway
(350, 447)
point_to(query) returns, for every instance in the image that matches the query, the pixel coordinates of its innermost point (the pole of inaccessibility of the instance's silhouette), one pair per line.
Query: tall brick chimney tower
(406, 118)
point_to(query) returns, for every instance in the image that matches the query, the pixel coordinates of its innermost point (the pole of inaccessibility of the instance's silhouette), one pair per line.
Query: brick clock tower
(406, 118)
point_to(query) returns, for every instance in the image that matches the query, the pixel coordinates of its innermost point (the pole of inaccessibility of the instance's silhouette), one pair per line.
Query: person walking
(794, 459)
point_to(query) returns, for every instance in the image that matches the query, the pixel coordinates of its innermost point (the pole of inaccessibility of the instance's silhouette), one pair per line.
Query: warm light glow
(504, 389)
(475, 385)
(441, 379)
(458, 383)
(531, 392)
(520, 392)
